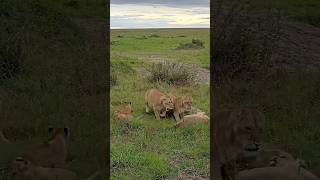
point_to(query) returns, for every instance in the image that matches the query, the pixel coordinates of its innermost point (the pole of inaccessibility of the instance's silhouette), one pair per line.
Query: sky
(136, 14)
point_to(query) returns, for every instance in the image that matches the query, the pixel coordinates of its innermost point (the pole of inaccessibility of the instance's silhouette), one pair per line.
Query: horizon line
(163, 28)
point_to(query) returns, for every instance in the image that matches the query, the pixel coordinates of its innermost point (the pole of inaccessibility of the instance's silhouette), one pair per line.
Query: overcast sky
(131, 14)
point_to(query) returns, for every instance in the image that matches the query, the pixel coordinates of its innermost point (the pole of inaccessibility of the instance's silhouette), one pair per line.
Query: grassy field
(60, 79)
(146, 148)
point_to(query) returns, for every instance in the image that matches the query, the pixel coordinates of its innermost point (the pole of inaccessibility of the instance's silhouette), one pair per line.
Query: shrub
(154, 35)
(172, 73)
(142, 37)
(195, 44)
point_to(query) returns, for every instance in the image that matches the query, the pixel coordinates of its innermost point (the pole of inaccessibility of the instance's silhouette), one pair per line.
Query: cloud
(174, 3)
(143, 15)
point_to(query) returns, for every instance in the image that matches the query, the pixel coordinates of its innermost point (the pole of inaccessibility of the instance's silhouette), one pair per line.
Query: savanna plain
(171, 60)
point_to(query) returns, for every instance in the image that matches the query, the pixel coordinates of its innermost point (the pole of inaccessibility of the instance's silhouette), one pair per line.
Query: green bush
(195, 44)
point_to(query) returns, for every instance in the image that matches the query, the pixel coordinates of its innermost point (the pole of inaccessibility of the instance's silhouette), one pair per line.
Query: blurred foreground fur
(50, 154)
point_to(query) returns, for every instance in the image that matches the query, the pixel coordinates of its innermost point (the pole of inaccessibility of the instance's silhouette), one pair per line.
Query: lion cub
(199, 117)
(51, 154)
(158, 102)
(23, 169)
(182, 104)
(124, 112)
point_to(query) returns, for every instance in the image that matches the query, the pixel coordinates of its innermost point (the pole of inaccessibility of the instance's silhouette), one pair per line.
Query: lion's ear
(66, 131)
(50, 129)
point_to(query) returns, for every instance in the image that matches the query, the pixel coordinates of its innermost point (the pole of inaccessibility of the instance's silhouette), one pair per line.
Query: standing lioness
(182, 104)
(51, 154)
(158, 102)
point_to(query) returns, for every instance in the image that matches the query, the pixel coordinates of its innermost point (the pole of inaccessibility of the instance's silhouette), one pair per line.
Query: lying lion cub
(199, 117)
(158, 102)
(124, 113)
(182, 104)
(52, 153)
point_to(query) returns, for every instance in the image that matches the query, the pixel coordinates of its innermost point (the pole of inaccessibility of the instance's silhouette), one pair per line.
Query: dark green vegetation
(146, 148)
(266, 67)
(52, 74)
(300, 10)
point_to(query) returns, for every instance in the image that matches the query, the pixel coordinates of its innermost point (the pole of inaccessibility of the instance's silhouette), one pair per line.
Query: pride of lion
(163, 105)
(45, 161)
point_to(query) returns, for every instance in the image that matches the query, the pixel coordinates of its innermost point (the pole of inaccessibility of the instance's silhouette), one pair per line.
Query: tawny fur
(182, 104)
(124, 113)
(237, 129)
(51, 154)
(23, 169)
(188, 120)
(160, 103)
(284, 168)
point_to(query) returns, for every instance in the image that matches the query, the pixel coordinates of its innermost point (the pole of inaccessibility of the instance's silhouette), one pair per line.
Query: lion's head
(167, 102)
(128, 108)
(19, 168)
(238, 130)
(187, 103)
(54, 132)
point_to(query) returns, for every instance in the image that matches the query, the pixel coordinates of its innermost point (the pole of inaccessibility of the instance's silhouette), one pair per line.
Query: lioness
(237, 129)
(23, 169)
(182, 104)
(124, 112)
(158, 102)
(50, 154)
(199, 117)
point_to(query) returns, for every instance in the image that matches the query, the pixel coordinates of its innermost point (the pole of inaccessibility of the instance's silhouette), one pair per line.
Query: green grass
(141, 43)
(62, 82)
(146, 148)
